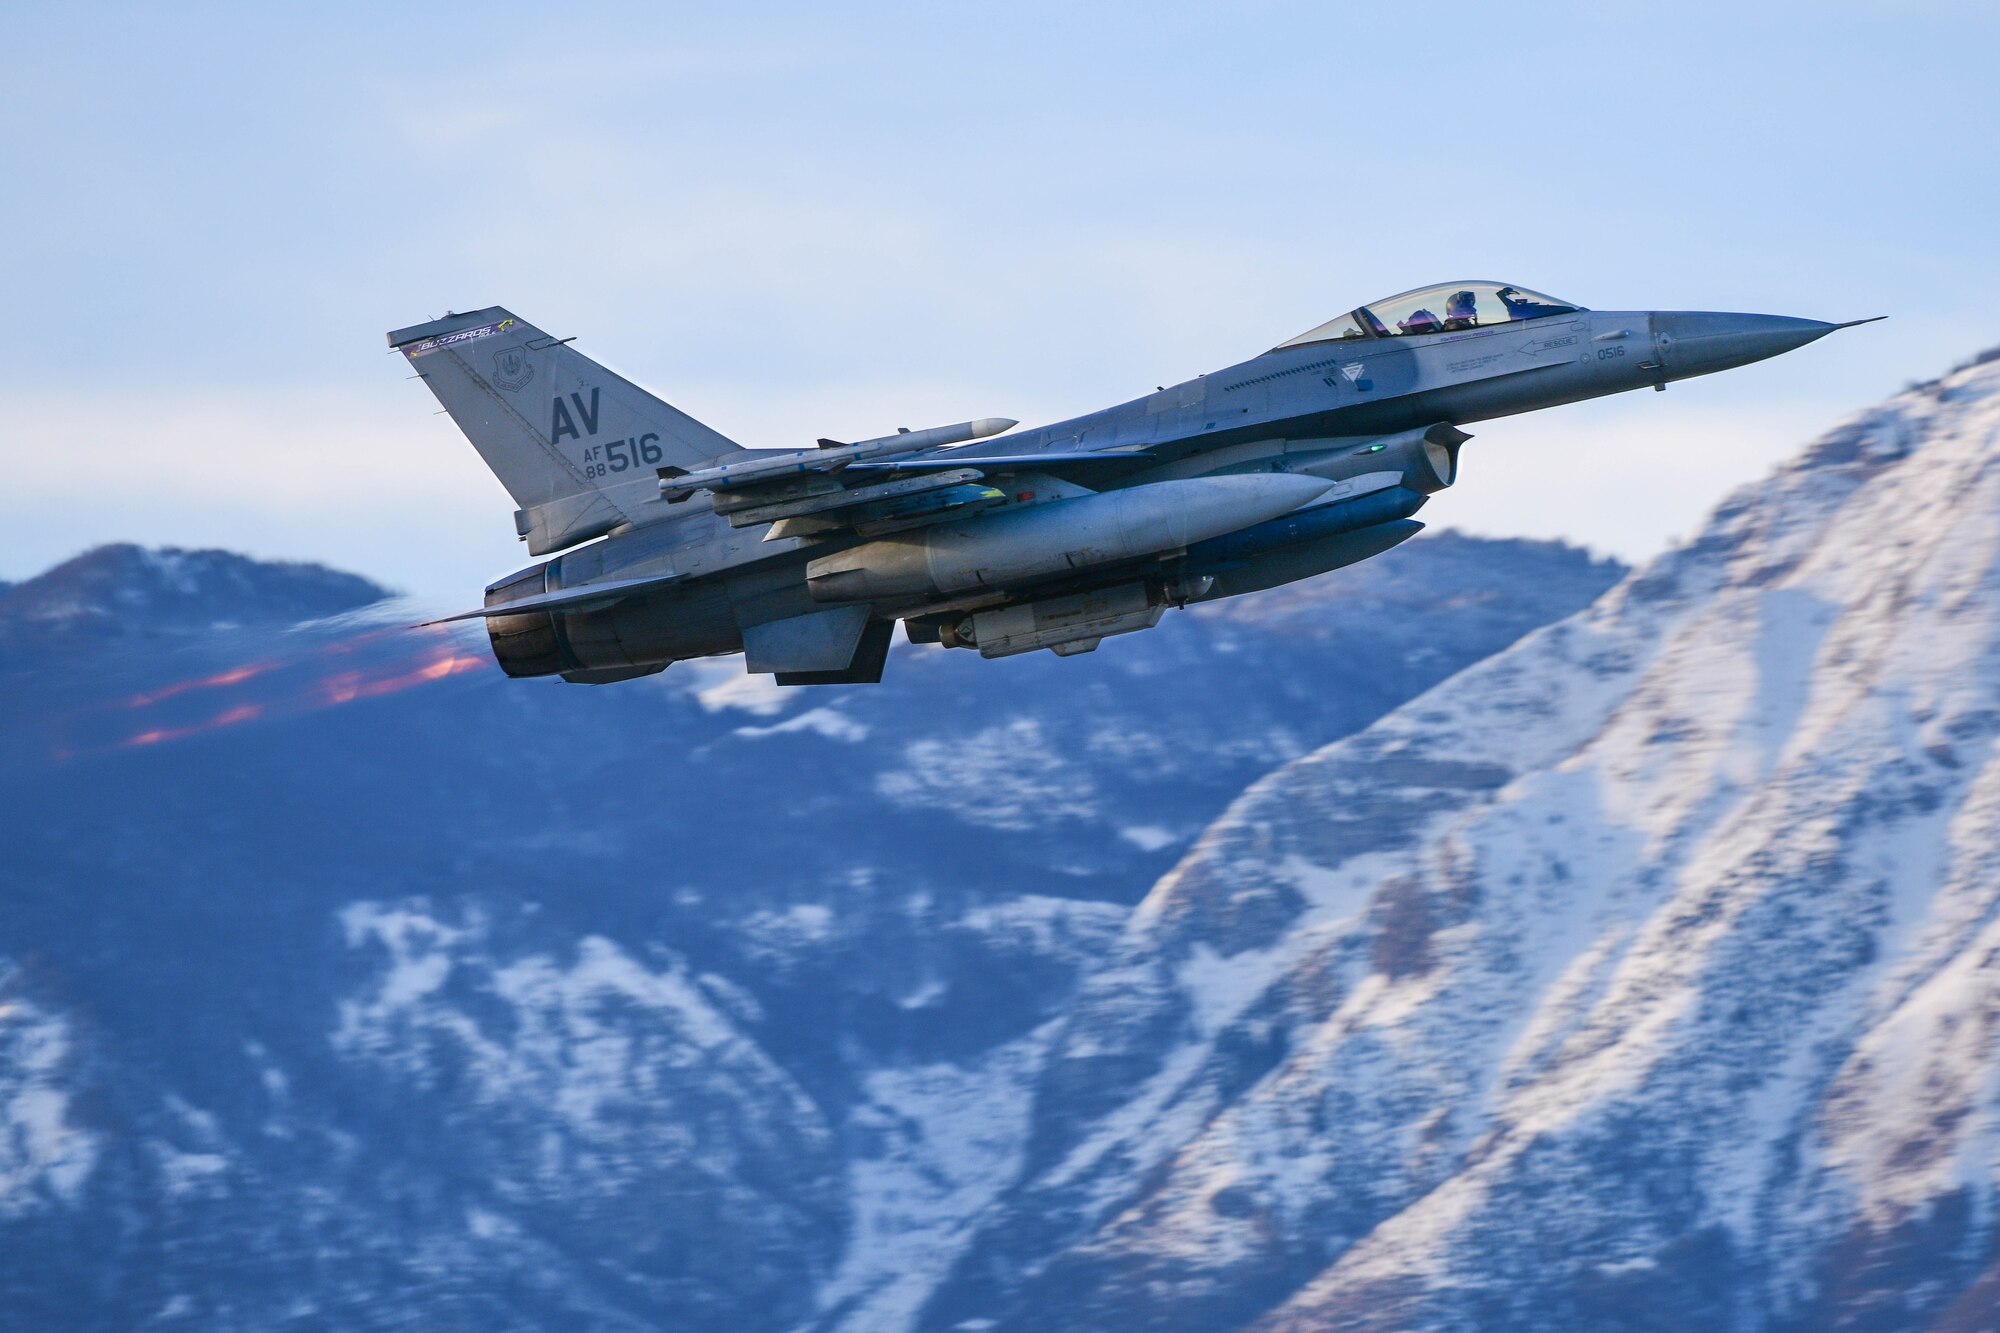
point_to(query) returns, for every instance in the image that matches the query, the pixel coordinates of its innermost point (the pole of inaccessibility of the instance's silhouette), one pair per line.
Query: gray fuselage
(1351, 411)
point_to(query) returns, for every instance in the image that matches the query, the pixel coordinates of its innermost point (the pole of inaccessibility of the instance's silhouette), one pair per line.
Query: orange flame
(348, 686)
(233, 676)
(345, 686)
(240, 713)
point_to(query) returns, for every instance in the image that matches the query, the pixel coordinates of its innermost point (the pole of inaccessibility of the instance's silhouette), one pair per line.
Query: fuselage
(1375, 414)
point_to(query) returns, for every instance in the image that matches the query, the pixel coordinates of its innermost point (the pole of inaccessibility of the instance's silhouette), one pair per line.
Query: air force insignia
(511, 370)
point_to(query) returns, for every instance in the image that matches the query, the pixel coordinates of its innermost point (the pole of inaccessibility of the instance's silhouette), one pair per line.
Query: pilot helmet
(1461, 305)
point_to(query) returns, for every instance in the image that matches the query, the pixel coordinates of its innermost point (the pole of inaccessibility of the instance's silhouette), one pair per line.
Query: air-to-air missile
(677, 485)
(670, 541)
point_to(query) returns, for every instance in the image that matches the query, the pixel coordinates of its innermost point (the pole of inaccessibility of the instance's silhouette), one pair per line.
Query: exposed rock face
(1646, 975)
(356, 986)
(1643, 975)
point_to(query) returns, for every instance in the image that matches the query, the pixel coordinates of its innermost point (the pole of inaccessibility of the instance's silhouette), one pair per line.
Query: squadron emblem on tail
(511, 369)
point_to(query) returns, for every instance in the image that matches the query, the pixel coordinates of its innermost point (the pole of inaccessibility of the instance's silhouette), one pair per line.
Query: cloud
(368, 482)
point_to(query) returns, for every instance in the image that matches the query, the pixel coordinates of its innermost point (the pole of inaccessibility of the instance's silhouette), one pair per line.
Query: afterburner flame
(351, 685)
(297, 685)
(233, 676)
(240, 713)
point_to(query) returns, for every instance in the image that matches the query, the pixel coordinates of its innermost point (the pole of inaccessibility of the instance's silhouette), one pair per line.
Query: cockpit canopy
(1445, 308)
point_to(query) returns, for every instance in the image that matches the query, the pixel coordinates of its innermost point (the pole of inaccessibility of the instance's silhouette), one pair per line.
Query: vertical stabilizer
(575, 445)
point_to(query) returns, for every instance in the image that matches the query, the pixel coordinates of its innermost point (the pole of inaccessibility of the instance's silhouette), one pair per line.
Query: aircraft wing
(871, 498)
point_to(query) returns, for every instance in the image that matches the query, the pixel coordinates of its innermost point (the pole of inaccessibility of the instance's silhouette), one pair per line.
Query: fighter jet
(676, 542)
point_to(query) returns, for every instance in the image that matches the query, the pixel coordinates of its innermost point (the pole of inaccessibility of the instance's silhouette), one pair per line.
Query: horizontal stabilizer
(590, 597)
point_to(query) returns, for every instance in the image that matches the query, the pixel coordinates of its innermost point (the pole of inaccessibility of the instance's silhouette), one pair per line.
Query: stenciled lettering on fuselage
(572, 418)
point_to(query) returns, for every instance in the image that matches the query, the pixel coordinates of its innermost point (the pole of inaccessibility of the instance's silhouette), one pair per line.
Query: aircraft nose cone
(1700, 342)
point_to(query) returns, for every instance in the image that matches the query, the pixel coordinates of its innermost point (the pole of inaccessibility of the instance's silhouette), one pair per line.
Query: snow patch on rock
(45, 1155)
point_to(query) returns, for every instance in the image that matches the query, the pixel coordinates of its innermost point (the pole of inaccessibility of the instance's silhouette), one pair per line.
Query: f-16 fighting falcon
(1312, 456)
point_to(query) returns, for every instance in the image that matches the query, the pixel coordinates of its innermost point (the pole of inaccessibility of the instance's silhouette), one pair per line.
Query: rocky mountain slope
(122, 594)
(1645, 976)
(1638, 975)
(344, 983)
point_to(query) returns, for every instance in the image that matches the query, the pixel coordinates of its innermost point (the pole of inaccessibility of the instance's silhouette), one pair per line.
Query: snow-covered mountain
(116, 595)
(1646, 975)
(1320, 962)
(344, 983)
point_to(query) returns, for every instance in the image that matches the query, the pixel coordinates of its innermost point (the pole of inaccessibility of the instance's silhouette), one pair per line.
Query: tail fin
(575, 445)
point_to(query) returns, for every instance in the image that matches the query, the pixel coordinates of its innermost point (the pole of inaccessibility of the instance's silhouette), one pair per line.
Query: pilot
(1420, 321)
(1461, 310)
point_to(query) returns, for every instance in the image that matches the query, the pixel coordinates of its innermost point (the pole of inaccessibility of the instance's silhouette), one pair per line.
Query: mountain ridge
(1697, 793)
(123, 591)
(356, 983)
(1630, 969)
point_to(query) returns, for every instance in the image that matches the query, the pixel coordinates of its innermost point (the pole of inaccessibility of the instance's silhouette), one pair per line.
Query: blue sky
(797, 221)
